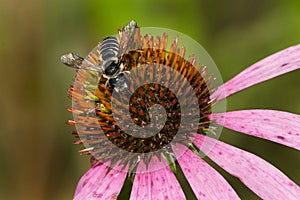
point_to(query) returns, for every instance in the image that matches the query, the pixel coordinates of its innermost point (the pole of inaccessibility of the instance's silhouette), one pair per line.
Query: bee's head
(111, 68)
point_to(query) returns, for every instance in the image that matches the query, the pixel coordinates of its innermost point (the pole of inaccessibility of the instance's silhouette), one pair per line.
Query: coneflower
(153, 126)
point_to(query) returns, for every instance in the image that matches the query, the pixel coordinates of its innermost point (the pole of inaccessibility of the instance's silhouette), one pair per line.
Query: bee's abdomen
(109, 48)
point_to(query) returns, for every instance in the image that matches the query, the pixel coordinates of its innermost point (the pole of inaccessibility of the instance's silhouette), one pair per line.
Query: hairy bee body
(111, 50)
(112, 66)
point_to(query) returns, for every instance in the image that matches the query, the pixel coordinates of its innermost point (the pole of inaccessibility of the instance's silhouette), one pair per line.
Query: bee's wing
(91, 63)
(126, 37)
(71, 60)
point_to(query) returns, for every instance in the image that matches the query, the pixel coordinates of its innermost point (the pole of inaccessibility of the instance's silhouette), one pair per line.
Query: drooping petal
(96, 184)
(279, 63)
(89, 178)
(261, 177)
(156, 185)
(277, 126)
(205, 181)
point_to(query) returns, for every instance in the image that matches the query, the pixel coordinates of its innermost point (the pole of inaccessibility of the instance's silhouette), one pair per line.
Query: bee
(111, 51)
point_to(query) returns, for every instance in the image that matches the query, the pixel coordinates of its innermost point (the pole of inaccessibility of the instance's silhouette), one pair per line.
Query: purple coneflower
(110, 170)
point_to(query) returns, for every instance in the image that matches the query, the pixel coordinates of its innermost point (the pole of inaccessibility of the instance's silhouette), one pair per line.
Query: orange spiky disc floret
(92, 100)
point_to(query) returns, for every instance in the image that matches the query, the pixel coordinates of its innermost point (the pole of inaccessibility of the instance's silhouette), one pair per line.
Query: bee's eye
(119, 80)
(113, 82)
(112, 69)
(121, 77)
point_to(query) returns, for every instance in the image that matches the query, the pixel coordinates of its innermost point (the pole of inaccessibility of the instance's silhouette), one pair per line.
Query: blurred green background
(38, 160)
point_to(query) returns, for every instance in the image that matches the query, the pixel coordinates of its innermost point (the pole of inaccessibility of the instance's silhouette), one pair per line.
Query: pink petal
(260, 176)
(277, 126)
(158, 184)
(205, 181)
(95, 184)
(279, 63)
(88, 179)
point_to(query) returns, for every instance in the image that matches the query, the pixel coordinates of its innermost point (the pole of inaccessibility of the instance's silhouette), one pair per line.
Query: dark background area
(38, 160)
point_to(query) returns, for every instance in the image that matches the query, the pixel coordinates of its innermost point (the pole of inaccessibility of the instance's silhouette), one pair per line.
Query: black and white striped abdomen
(109, 49)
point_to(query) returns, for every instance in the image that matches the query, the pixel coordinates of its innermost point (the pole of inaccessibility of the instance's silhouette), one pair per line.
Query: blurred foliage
(38, 160)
